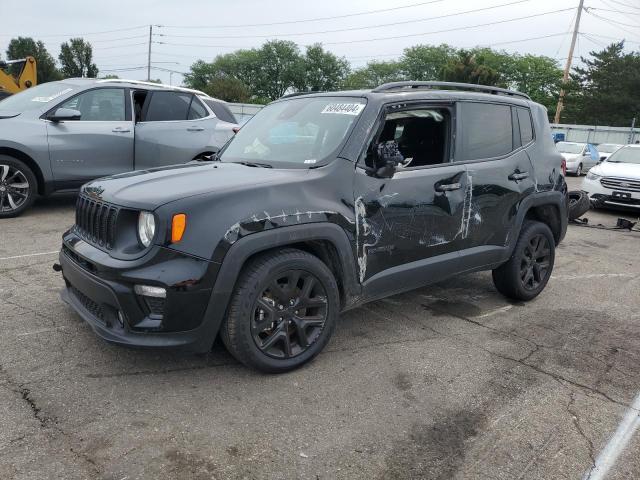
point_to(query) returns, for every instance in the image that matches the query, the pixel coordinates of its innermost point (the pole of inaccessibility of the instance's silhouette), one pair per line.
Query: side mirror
(62, 114)
(388, 157)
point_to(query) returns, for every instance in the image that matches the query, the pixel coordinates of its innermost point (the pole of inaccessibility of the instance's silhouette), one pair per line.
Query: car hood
(622, 170)
(149, 189)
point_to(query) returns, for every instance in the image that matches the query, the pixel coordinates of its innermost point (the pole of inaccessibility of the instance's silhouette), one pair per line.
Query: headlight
(146, 228)
(593, 176)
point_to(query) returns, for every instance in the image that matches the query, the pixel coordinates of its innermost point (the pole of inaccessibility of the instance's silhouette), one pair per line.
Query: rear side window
(197, 110)
(526, 127)
(167, 106)
(221, 111)
(485, 131)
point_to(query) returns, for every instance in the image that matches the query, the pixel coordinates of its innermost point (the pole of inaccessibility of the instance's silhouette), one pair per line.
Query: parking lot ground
(449, 381)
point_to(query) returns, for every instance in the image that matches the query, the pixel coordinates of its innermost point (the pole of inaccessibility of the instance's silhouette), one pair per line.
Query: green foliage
(321, 70)
(468, 67)
(425, 62)
(374, 74)
(76, 58)
(229, 89)
(606, 90)
(22, 47)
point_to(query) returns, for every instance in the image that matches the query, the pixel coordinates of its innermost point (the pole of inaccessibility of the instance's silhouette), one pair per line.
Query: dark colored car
(320, 203)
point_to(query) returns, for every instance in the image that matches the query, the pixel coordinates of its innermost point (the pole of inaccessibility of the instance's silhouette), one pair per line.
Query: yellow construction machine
(17, 75)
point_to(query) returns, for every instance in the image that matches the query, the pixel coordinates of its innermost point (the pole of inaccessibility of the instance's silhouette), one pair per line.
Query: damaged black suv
(320, 203)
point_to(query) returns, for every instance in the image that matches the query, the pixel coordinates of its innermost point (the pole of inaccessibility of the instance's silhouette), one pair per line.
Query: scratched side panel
(404, 219)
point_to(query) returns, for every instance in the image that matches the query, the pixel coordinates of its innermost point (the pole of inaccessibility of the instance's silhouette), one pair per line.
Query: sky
(188, 30)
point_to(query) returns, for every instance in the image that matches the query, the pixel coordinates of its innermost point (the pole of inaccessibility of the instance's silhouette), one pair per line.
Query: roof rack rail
(452, 85)
(151, 84)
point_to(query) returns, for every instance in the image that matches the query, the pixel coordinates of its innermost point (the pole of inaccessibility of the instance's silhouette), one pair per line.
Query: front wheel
(528, 270)
(283, 311)
(18, 187)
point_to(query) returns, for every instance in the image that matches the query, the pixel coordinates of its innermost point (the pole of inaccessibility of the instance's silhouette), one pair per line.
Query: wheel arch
(30, 162)
(549, 208)
(327, 241)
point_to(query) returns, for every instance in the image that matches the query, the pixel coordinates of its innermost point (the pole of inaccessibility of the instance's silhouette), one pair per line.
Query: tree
(321, 70)
(425, 62)
(605, 91)
(76, 58)
(374, 74)
(466, 68)
(280, 68)
(229, 89)
(22, 47)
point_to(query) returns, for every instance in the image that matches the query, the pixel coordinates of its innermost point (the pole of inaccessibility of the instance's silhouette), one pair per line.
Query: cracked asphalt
(449, 381)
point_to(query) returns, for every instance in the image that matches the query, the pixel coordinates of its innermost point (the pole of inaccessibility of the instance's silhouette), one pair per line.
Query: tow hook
(57, 267)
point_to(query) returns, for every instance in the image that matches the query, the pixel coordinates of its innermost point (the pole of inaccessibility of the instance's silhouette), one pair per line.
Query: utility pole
(567, 66)
(149, 56)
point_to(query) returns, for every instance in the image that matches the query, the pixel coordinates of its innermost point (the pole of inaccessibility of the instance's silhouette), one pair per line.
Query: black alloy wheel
(283, 310)
(289, 314)
(535, 262)
(15, 188)
(529, 268)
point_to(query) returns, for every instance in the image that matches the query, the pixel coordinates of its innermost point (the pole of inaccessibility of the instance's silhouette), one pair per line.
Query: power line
(613, 10)
(612, 23)
(120, 46)
(588, 10)
(70, 35)
(450, 29)
(625, 4)
(117, 39)
(617, 39)
(351, 29)
(317, 19)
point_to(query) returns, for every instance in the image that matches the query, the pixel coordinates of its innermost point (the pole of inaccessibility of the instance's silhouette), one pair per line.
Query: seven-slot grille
(96, 221)
(621, 184)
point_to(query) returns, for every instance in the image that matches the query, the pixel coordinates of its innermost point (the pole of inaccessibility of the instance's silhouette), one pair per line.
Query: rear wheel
(18, 187)
(528, 270)
(283, 311)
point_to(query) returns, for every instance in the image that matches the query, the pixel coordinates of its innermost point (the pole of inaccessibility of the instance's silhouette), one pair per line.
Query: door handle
(120, 130)
(195, 129)
(518, 176)
(448, 188)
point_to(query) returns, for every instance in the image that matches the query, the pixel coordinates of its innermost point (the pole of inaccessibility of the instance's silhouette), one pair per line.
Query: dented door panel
(417, 214)
(498, 189)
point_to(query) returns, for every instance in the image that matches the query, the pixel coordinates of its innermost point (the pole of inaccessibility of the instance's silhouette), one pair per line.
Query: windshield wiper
(254, 164)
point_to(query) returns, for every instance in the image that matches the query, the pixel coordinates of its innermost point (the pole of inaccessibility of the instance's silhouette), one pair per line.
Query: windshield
(625, 155)
(608, 147)
(564, 147)
(34, 98)
(301, 131)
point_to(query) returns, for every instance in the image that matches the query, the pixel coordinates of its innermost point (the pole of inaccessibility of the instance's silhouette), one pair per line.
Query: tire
(14, 201)
(512, 278)
(263, 336)
(579, 204)
(579, 171)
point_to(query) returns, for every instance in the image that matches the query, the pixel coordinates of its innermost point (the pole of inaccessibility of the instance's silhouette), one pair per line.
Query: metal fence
(244, 111)
(597, 133)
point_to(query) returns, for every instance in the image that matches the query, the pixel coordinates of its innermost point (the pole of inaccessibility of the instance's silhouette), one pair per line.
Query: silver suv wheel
(14, 188)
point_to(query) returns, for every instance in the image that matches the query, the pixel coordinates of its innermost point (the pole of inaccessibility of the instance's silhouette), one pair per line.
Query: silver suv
(60, 135)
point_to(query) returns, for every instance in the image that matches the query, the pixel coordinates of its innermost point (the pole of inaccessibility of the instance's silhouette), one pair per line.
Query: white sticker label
(311, 160)
(51, 97)
(344, 108)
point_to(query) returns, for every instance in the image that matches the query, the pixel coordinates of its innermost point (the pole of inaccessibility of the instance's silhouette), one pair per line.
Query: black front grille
(96, 221)
(155, 305)
(92, 307)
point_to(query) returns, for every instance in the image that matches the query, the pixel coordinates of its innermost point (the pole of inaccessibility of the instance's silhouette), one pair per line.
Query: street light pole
(149, 55)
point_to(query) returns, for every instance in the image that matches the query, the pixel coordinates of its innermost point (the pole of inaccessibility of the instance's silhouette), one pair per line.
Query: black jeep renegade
(320, 203)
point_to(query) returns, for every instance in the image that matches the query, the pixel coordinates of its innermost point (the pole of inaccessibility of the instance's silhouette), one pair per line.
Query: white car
(580, 157)
(615, 182)
(606, 149)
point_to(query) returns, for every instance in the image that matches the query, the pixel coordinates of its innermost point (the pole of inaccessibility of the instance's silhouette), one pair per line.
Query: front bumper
(102, 293)
(610, 197)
